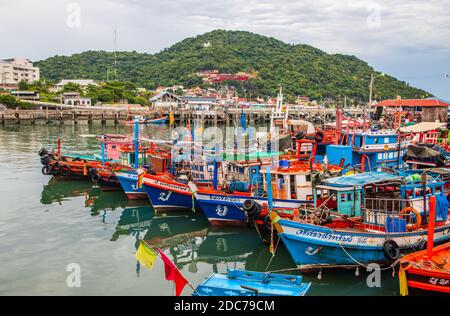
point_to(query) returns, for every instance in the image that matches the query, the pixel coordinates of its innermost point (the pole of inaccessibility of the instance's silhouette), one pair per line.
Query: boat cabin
(376, 149)
(378, 198)
(293, 180)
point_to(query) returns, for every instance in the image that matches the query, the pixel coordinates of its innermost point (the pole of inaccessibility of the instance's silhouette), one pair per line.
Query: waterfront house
(74, 98)
(167, 101)
(425, 110)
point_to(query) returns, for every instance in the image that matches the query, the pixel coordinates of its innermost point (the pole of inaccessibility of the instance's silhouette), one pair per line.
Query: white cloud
(38, 29)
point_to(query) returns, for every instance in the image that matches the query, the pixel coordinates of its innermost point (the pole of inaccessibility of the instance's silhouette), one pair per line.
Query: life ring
(391, 250)
(416, 225)
(16, 115)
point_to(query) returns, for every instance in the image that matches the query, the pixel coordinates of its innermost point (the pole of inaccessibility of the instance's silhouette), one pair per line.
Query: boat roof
(361, 179)
(422, 127)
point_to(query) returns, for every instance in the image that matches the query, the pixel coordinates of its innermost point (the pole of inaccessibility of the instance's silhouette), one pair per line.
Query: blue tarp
(441, 207)
(360, 179)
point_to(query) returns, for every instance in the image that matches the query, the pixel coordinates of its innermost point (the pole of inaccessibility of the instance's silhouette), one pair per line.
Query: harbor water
(48, 227)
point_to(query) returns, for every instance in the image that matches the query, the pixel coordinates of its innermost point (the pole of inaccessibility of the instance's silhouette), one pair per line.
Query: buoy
(357, 271)
(319, 276)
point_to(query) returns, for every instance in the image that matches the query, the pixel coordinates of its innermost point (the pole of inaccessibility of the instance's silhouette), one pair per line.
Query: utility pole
(115, 55)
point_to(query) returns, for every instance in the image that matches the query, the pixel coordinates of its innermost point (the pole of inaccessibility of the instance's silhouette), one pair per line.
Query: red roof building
(433, 102)
(425, 110)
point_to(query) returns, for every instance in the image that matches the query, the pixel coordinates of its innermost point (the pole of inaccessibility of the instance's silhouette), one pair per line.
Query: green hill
(300, 69)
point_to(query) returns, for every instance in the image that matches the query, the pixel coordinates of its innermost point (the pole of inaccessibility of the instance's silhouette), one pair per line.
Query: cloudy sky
(409, 39)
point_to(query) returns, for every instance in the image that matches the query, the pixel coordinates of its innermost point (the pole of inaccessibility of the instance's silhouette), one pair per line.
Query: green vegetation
(107, 92)
(11, 102)
(300, 69)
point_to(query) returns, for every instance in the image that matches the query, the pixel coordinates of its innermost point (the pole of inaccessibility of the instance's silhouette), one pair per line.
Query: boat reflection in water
(59, 191)
(188, 239)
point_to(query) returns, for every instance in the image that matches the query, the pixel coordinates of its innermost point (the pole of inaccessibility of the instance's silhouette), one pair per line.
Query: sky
(408, 39)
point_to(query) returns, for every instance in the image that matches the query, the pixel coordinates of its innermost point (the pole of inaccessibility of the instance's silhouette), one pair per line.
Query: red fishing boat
(430, 274)
(427, 270)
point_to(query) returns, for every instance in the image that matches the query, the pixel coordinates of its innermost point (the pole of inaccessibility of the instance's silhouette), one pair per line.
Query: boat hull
(223, 210)
(314, 247)
(168, 195)
(128, 181)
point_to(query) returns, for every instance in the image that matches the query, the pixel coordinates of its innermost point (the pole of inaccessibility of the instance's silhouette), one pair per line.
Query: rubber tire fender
(47, 170)
(391, 250)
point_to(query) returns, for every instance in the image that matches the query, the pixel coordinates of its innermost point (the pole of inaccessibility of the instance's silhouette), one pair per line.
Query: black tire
(64, 170)
(319, 137)
(47, 170)
(248, 205)
(55, 168)
(45, 160)
(42, 152)
(391, 250)
(95, 178)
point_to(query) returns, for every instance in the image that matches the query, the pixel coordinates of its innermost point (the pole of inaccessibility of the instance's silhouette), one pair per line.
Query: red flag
(173, 274)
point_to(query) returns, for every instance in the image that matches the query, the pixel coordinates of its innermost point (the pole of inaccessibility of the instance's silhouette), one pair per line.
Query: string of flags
(146, 255)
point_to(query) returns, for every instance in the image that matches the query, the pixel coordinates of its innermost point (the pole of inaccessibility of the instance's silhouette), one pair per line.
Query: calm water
(45, 225)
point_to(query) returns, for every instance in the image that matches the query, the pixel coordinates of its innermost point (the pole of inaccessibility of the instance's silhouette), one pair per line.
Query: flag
(171, 118)
(173, 274)
(141, 173)
(145, 255)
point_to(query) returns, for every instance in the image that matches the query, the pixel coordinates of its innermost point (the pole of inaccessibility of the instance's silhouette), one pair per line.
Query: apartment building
(14, 70)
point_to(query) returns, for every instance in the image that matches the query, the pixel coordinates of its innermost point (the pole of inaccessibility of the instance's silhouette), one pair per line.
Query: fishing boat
(429, 274)
(427, 270)
(291, 183)
(364, 218)
(158, 120)
(249, 283)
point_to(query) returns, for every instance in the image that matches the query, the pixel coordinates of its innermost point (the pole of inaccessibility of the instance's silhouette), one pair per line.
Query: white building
(14, 70)
(74, 98)
(166, 100)
(83, 83)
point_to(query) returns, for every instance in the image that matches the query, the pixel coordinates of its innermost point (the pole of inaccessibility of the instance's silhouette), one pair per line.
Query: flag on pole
(145, 255)
(171, 118)
(173, 274)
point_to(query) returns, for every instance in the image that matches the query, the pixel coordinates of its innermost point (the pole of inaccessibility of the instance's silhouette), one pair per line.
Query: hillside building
(83, 83)
(14, 70)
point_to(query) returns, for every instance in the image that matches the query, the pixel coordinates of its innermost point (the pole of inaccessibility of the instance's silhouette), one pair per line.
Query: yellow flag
(171, 118)
(145, 255)
(403, 282)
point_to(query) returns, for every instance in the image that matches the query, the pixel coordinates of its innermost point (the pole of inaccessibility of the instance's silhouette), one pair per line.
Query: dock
(69, 114)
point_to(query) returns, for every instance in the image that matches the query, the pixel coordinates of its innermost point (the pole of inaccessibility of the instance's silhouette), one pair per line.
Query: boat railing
(377, 211)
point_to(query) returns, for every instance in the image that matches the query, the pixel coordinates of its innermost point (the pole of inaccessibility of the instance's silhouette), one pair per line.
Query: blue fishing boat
(129, 181)
(365, 218)
(159, 120)
(291, 186)
(166, 193)
(249, 283)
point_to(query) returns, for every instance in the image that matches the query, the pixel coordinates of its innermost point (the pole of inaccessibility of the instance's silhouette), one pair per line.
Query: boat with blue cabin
(365, 218)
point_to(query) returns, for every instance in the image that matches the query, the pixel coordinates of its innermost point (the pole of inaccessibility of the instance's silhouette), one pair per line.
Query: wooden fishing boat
(428, 270)
(427, 273)
(375, 219)
(249, 283)
(158, 120)
(291, 184)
